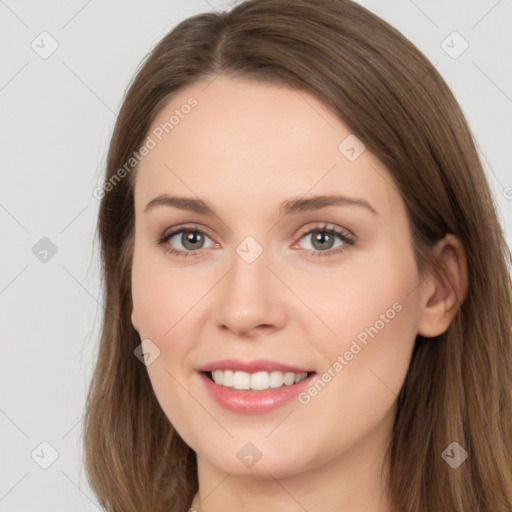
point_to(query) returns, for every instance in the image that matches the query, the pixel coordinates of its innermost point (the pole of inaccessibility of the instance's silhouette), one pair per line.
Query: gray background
(57, 114)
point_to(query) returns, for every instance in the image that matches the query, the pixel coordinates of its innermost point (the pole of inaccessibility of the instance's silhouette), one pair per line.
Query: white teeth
(276, 379)
(241, 380)
(217, 377)
(227, 378)
(289, 378)
(258, 381)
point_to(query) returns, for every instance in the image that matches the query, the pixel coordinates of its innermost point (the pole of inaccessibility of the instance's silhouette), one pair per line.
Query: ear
(443, 292)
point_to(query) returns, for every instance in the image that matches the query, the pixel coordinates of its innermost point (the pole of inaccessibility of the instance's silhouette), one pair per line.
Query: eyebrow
(288, 207)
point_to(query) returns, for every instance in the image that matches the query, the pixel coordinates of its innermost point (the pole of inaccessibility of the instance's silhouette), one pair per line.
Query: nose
(250, 299)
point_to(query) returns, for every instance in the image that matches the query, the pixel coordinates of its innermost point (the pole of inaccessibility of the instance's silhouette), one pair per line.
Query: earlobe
(443, 292)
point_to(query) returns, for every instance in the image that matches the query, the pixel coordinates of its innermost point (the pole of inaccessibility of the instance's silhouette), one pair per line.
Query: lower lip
(251, 401)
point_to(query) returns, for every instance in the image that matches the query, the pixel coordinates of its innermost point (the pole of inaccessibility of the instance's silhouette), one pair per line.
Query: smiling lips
(253, 387)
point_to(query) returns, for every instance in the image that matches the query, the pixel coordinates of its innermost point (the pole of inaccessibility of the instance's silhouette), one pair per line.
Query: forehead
(252, 144)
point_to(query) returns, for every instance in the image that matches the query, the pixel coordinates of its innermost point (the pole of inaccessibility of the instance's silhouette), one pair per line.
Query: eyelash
(347, 240)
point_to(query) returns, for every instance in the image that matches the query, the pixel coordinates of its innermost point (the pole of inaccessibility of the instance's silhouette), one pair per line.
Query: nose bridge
(250, 295)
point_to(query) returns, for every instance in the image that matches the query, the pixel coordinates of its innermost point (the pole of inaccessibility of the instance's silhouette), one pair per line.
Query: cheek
(159, 296)
(160, 303)
(372, 296)
(375, 316)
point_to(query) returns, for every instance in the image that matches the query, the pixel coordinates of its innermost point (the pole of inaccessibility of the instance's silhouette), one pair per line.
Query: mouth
(258, 381)
(254, 387)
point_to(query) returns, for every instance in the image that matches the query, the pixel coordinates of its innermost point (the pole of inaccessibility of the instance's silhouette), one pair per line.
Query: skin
(244, 149)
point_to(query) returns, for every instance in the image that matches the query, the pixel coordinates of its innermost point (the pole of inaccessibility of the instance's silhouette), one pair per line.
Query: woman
(243, 363)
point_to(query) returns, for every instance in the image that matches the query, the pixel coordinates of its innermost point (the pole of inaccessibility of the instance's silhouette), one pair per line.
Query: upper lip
(257, 365)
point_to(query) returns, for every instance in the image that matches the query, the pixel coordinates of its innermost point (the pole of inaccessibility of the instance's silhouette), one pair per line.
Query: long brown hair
(458, 387)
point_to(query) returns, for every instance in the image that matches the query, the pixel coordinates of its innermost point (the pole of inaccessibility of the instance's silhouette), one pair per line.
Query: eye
(190, 237)
(192, 240)
(323, 239)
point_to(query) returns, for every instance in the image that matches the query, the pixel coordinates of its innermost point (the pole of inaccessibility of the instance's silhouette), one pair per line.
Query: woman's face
(271, 286)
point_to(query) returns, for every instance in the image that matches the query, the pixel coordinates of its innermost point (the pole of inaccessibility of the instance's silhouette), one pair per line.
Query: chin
(257, 460)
